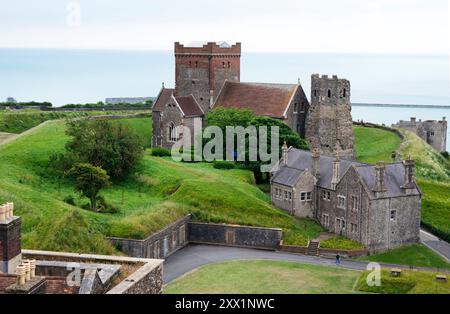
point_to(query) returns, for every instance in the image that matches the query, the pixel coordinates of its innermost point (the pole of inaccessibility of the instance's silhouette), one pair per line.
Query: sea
(82, 76)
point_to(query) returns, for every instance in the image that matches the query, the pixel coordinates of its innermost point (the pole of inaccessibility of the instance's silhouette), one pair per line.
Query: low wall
(231, 235)
(293, 249)
(159, 245)
(343, 253)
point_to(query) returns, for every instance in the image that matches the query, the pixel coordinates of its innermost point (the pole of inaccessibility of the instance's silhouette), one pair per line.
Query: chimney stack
(10, 241)
(379, 186)
(408, 180)
(284, 158)
(316, 163)
(336, 171)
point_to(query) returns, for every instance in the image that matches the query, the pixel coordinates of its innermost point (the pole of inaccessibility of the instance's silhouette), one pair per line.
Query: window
(305, 196)
(173, 132)
(341, 202)
(326, 195)
(302, 107)
(432, 133)
(393, 215)
(329, 93)
(315, 93)
(354, 204)
(326, 220)
(295, 108)
(196, 64)
(285, 195)
(223, 64)
(354, 228)
(344, 92)
(174, 239)
(290, 196)
(229, 64)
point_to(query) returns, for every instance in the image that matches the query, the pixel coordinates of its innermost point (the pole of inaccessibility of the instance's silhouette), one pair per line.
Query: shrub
(223, 165)
(104, 207)
(70, 199)
(161, 152)
(446, 155)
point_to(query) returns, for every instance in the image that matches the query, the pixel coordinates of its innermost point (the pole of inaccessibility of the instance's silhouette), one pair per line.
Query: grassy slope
(162, 191)
(415, 255)
(410, 282)
(433, 176)
(373, 145)
(239, 277)
(20, 121)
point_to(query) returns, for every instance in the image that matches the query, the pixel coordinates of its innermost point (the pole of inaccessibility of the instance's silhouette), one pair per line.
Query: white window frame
(344, 199)
(354, 203)
(173, 132)
(326, 220)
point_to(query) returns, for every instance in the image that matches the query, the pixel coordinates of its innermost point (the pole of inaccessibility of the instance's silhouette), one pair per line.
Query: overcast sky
(375, 26)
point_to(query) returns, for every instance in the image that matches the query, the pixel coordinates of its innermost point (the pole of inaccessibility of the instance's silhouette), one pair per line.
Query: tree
(223, 117)
(89, 180)
(111, 146)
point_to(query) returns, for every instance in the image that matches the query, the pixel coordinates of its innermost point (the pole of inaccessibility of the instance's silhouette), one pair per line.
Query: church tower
(329, 122)
(201, 70)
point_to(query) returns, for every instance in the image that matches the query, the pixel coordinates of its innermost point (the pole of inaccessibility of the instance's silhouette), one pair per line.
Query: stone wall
(10, 244)
(432, 132)
(158, 245)
(230, 235)
(146, 280)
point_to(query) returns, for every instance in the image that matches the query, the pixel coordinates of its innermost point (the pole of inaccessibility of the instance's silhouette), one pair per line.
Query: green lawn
(410, 282)
(373, 145)
(271, 277)
(160, 192)
(414, 255)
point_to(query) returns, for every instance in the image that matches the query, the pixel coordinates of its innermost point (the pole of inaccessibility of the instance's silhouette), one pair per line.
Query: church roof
(189, 106)
(264, 99)
(163, 98)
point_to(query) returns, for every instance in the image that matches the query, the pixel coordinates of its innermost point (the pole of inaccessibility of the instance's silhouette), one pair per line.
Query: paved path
(437, 245)
(194, 256)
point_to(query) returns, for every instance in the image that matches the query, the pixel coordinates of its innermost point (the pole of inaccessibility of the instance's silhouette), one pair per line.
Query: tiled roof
(287, 176)
(163, 98)
(189, 106)
(270, 100)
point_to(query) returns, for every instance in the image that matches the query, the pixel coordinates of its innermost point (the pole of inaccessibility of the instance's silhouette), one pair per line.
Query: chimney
(316, 163)
(408, 179)
(10, 241)
(336, 171)
(284, 158)
(379, 187)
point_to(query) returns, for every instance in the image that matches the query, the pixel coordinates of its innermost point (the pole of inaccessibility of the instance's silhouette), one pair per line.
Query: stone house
(376, 205)
(431, 131)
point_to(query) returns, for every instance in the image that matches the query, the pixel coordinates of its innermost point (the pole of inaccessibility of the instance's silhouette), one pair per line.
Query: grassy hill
(373, 145)
(161, 191)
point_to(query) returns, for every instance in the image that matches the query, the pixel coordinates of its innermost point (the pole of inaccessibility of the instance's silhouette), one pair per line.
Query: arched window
(345, 92)
(173, 132)
(329, 93)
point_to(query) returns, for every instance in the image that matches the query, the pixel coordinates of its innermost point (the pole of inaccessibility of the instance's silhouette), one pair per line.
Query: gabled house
(376, 205)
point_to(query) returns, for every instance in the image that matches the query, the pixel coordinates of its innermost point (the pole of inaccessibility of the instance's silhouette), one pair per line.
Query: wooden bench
(396, 272)
(441, 278)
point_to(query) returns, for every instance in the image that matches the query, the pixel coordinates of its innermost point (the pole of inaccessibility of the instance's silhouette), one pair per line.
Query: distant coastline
(401, 106)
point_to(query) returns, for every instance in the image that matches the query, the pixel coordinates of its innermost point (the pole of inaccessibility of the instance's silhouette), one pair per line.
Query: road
(194, 256)
(439, 246)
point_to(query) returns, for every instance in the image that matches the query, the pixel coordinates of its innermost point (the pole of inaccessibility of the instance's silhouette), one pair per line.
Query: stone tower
(201, 70)
(329, 122)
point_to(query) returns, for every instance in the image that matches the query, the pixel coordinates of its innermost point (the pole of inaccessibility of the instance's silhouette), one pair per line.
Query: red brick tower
(201, 70)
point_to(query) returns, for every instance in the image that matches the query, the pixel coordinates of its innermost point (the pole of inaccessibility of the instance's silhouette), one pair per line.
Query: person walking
(338, 259)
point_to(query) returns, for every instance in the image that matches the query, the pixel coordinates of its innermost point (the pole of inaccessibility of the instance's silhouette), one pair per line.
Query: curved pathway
(194, 256)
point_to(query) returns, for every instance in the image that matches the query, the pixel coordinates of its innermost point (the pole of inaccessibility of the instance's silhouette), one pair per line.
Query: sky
(345, 26)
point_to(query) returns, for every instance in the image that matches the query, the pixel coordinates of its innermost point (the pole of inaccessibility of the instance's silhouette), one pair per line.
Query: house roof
(188, 104)
(264, 99)
(287, 176)
(163, 98)
(300, 160)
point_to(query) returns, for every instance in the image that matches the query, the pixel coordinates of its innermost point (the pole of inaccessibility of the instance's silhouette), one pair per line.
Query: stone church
(207, 76)
(376, 205)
